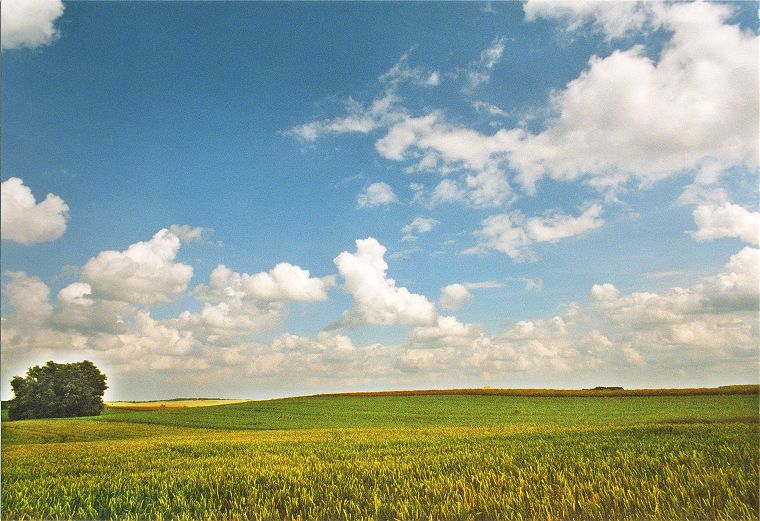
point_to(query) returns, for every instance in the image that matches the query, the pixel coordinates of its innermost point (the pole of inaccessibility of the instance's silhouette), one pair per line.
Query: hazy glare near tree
(58, 391)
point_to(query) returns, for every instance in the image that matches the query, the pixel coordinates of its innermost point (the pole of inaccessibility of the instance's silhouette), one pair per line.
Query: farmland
(383, 457)
(171, 404)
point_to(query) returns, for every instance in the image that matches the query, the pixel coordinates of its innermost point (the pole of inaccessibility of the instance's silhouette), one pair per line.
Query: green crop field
(393, 457)
(449, 411)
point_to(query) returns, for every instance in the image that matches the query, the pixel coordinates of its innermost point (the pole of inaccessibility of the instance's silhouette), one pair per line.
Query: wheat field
(468, 457)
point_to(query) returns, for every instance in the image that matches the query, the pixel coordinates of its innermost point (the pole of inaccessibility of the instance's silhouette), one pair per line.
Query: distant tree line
(58, 391)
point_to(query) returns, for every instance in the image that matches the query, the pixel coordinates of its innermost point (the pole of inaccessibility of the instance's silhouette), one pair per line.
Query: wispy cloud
(513, 234)
(402, 73)
(479, 72)
(418, 225)
(188, 234)
(531, 283)
(488, 108)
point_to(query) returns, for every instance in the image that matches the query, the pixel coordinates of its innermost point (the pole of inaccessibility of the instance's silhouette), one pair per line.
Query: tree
(58, 391)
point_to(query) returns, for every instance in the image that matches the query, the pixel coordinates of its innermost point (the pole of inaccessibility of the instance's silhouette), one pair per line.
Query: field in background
(595, 392)
(448, 411)
(394, 457)
(170, 404)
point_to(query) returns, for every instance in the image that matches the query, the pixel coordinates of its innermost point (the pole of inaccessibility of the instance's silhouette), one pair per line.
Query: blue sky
(544, 194)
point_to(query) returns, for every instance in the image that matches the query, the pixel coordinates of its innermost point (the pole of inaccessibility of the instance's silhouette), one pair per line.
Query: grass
(393, 457)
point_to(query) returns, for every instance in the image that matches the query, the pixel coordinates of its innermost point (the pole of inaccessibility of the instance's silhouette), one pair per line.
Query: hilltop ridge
(600, 391)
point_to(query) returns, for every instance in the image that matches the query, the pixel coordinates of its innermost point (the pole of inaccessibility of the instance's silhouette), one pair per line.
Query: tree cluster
(58, 391)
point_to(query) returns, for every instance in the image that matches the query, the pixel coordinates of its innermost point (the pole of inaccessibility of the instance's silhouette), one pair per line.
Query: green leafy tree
(58, 391)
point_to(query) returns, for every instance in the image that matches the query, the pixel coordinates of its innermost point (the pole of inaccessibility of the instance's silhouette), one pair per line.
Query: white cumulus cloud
(377, 299)
(557, 226)
(29, 23)
(77, 310)
(151, 337)
(239, 304)
(720, 311)
(446, 331)
(726, 220)
(447, 191)
(283, 282)
(633, 117)
(437, 145)
(376, 194)
(25, 221)
(454, 295)
(630, 116)
(287, 282)
(144, 273)
(227, 313)
(29, 296)
(229, 319)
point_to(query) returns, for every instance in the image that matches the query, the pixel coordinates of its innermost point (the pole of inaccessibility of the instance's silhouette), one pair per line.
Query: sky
(255, 200)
